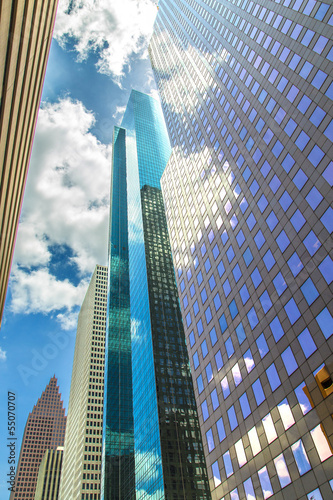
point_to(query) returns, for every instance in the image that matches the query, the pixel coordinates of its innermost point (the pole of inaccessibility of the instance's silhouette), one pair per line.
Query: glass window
(307, 343)
(244, 293)
(245, 405)
(228, 464)
(240, 452)
(251, 221)
(304, 402)
(216, 474)
(248, 488)
(232, 418)
(280, 284)
(215, 399)
(265, 482)
(213, 336)
(282, 470)
(286, 414)
(240, 238)
(240, 333)
(220, 429)
(210, 440)
(276, 328)
(212, 283)
(327, 219)
(288, 163)
(310, 292)
(254, 441)
(208, 315)
(225, 387)
(253, 318)
(195, 360)
(226, 287)
(259, 239)
(272, 221)
(229, 347)
(326, 269)
(262, 203)
(300, 179)
(249, 361)
(283, 241)
(223, 323)
(209, 372)
(292, 311)
(269, 428)
(236, 373)
(265, 301)
(221, 269)
(325, 321)
(230, 253)
(237, 273)
(248, 257)
(262, 345)
(301, 457)
(258, 392)
(315, 494)
(314, 198)
(199, 327)
(295, 264)
(204, 349)
(192, 339)
(297, 220)
(204, 410)
(273, 377)
(218, 360)
(321, 443)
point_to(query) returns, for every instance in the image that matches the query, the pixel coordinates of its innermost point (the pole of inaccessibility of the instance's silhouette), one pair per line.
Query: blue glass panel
(258, 392)
(273, 377)
(307, 343)
(225, 387)
(301, 458)
(240, 333)
(295, 264)
(244, 293)
(265, 301)
(312, 243)
(259, 239)
(276, 328)
(297, 220)
(269, 260)
(218, 360)
(248, 257)
(233, 309)
(210, 440)
(310, 292)
(209, 372)
(223, 323)
(215, 399)
(325, 321)
(200, 384)
(289, 361)
(195, 360)
(232, 418)
(326, 269)
(253, 318)
(213, 336)
(220, 429)
(300, 179)
(327, 219)
(245, 406)
(208, 314)
(240, 238)
(237, 273)
(229, 347)
(262, 345)
(204, 410)
(199, 327)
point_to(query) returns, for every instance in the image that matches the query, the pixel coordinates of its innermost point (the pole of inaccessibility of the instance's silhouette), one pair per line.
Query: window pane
(220, 429)
(301, 457)
(258, 392)
(286, 414)
(232, 418)
(262, 345)
(265, 482)
(228, 464)
(245, 406)
(216, 474)
(236, 374)
(254, 441)
(249, 491)
(273, 377)
(282, 470)
(240, 453)
(210, 440)
(225, 387)
(249, 361)
(269, 428)
(321, 442)
(303, 396)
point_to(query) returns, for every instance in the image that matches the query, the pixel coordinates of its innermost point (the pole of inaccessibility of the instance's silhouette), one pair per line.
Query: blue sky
(98, 54)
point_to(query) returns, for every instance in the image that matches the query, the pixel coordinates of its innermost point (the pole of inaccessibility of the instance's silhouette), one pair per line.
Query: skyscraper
(25, 33)
(48, 480)
(81, 469)
(44, 430)
(246, 90)
(157, 436)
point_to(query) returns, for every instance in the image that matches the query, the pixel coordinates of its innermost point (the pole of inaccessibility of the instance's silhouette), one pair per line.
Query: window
(273, 377)
(282, 470)
(249, 361)
(248, 488)
(225, 387)
(210, 440)
(240, 333)
(215, 399)
(240, 452)
(276, 329)
(265, 482)
(254, 441)
(258, 392)
(292, 311)
(232, 418)
(216, 474)
(321, 443)
(220, 429)
(245, 405)
(269, 428)
(286, 414)
(304, 402)
(228, 464)
(301, 457)
(236, 374)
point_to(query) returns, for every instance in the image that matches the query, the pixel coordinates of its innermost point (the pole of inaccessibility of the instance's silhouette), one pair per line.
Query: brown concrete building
(44, 430)
(25, 33)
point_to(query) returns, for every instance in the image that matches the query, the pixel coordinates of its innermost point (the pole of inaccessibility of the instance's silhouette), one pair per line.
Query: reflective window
(228, 464)
(244, 294)
(312, 243)
(325, 321)
(315, 495)
(276, 328)
(225, 387)
(229, 347)
(220, 429)
(258, 392)
(269, 428)
(280, 284)
(216, 474)
(215, 399)
(262, 345)
(265, 482)
(192, 339)
(208, 314)
(204, 410)
(195, 360)
(301, 393)
(245, 405)
(286, 414)
(273, 377)
(240, 333)
(240, 452)
(218, 360)
(253, 318)
(210, 440)
(233, 309)
(289, 361)
(301, 457)
(300, 179)
(249, 361)
(248, 488)
(247, 255)
(292, 311)
(223, 323)
(295, 264)
(213, 336)
(240, 238)
(236, 374)
(282, 470)
(254, 441)
(217, 302)
(232, 418)
(283, 241)
(297, 220)
(237, 273)
(269, 260)
(307, 343)
(321, 442)
(199, 327)
(226, 287)
(200, 384)
(265, 301)
(212, 283)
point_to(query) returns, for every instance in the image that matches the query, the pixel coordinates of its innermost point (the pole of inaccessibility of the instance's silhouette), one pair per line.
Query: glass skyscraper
(246, 90)
(152, 442)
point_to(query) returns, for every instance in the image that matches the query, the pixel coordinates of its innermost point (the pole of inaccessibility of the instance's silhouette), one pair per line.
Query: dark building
(246, 90)
(44, 430)
(145, 337)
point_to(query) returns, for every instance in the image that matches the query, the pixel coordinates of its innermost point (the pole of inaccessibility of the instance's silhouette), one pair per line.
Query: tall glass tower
(246, 89)
(162, 454)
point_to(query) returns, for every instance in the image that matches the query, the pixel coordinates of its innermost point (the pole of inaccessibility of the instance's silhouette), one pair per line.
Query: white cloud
(39, 291)
(118, 114)
(67, 204)
(3, 355)
(115, 30)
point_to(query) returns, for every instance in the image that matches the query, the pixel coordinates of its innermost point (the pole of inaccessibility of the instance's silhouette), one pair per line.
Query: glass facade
(168, 451)
(246, 90)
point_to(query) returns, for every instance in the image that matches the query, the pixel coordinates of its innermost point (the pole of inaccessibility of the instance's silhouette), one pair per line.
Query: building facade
(25, 32)
(246, 90)
(44, 430)
(81, 470)
(48, 480)
(162, 445)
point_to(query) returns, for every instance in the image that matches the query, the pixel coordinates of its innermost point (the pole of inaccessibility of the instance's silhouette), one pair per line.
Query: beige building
(81, 470)
(25, 34)
(48, 480)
